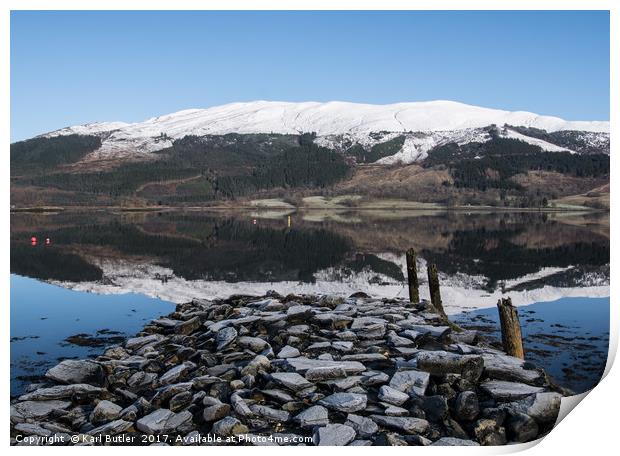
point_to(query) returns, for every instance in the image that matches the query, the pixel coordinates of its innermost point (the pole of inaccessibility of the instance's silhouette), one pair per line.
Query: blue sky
(76, 67)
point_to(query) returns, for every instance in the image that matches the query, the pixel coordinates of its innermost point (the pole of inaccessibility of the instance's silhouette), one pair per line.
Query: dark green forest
(41, 153)
(491, 164)
(230, 166)
(573, 140)
(376, 152)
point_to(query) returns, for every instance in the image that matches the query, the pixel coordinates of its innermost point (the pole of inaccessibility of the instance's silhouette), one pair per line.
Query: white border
(591, 428)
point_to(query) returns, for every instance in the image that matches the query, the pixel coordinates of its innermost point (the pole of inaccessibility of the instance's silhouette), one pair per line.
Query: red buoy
(33, 240)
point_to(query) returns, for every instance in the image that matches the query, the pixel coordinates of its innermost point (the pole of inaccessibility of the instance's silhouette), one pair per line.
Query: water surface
(102, 275)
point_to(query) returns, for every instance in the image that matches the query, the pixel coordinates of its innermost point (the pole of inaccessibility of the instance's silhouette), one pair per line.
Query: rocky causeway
(292, 370)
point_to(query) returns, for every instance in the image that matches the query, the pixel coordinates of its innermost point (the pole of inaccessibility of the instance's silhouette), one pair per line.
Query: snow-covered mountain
(424, 125)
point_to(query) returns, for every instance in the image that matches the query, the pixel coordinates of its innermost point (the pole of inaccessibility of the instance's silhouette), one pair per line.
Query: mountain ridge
(332, 122)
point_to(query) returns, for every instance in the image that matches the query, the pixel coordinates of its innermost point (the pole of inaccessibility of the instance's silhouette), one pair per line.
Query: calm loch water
(101, 275)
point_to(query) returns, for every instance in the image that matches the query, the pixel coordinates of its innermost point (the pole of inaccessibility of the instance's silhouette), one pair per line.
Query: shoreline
(329, 370)
(301, 209)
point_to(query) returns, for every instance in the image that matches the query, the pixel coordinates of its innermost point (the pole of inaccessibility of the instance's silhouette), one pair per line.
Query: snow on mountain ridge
(325, 119)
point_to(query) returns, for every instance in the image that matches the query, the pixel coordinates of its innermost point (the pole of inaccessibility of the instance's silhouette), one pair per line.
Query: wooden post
(433, 286)
(511, 328)
(412, 277)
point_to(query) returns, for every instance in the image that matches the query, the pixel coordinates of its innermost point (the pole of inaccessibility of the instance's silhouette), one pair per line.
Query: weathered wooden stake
(511, 328)
(412, 277)
(433, 286)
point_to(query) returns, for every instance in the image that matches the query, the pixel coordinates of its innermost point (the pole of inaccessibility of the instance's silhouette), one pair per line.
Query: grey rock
(139, 342)
(342, 346)
(319, 346)
(298, 330)
(345, 402)
(435, 407)
(278, 395)
(365, 427)
(319, 374)
(32, 429)
(392, 395)
(509, 368)
(437, 332)
(105, 411)
(163, 421)
(204, 381)
(489, 433)
(508, 391)
(256, 344)
(469, 367)
(393, 410)
(188, 327)
(62, 392)
(407, 425)
(225, 337)
(302, 364)
(334, 435)
(141, 378)
(73, 371)
(374, 378)
(397, 341)
(176, 373)
(216, 412)
(365, 357)
(522, 428)
(180, 401)
(543, 407)
(288, 352)
(298, 311)
(270, 414)
(312, 416)
(453, 441)
(410, 381)
(369, 327)
(36, 410)
(240, 406)
(112, 428)
(229, 426)
(291, 380)
(361, 443)
(466, 406)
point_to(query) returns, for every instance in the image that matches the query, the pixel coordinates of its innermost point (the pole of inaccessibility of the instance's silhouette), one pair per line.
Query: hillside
(441, 152)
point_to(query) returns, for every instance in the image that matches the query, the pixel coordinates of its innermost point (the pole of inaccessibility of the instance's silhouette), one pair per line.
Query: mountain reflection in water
(176, 256)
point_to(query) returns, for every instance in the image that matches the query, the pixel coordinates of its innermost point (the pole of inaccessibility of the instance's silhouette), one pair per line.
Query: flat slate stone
(288, 352)
(105, 411)
(407, 425)
(508, 391)
(138, 342)
(365, 427)
(61, 392)
(312, 416)
(410, 381)
(291, 380)
(392, 395)
(334, 435)
(453, 441)
(302, 364)
(72, 371)
(164, 421)
(345, 402)
(319, 374)
(176, 373)
(112, 428)
(37, 409)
